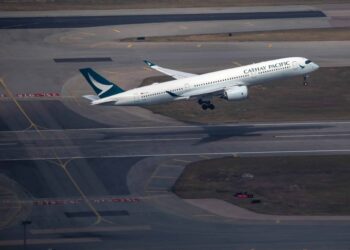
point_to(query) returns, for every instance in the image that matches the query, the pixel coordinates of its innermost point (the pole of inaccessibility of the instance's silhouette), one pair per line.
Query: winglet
(151, 64)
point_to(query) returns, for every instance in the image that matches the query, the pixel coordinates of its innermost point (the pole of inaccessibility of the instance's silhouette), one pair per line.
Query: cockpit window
(307, 61)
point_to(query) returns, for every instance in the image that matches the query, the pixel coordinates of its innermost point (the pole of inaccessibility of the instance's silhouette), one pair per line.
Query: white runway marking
(90, 229)
(302, 136)
(8, 144)
(149, 140)
(190, 126)
(49, 241)
(235, 153)
(180, 160)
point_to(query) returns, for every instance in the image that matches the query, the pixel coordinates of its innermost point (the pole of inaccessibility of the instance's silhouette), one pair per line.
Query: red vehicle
(244, 195)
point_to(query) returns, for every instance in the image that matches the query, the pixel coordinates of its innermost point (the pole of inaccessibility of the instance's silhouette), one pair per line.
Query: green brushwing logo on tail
(100, 85)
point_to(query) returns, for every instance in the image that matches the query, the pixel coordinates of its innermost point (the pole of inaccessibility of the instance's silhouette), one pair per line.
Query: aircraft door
(253, 74)
(295, 65)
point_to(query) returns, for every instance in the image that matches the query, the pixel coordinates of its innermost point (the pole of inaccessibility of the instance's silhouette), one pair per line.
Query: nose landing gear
(305, 82)
(206, 104)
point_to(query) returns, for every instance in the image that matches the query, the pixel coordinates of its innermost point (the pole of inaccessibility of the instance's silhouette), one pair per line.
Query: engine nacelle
(236, 93)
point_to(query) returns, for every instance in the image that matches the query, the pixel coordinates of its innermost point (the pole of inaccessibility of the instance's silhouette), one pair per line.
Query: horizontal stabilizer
(91, 97)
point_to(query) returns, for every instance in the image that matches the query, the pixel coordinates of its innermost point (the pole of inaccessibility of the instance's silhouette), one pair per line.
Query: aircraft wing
(170, 72)
(215, 92)
(208, 95)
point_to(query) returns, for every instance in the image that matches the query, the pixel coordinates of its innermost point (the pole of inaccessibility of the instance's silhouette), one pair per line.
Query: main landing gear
(206, 104)
(305, 82)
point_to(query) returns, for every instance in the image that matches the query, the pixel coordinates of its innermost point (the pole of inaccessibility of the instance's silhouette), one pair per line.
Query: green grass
(295, 185)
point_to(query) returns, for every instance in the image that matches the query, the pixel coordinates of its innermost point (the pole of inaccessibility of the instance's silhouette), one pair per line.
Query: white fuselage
(200, 85)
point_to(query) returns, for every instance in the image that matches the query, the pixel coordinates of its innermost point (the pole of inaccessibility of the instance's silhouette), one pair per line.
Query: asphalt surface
(245, 140)
(45, 114)
(93, 21)
(62, 129)
(96, 177)
(100, 177)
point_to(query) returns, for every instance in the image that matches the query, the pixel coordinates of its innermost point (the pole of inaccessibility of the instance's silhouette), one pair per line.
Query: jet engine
(236, 93)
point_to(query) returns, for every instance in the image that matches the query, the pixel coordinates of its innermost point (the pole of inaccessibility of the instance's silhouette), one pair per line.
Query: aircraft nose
(316, 66)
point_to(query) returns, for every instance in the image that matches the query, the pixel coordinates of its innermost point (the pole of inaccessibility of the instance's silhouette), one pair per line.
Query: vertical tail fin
(100, 85)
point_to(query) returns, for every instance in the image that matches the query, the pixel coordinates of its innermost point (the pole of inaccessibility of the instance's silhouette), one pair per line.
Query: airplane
(230, 84)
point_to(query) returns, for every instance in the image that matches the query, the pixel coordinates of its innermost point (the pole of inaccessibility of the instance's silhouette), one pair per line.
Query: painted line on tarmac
(180, 160)
(8, 144)
(204, 156)
(37, 94)
(82, 59)
(164, 177)
(61, 202)
(49, 241)
(90, 229)
(52, 202)
(149, 140)
(233, 153)
(302, 136)
(204, 215)
(192, 126)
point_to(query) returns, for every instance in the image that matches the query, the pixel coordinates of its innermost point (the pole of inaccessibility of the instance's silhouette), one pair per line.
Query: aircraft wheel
(211, 106)
(305, 83)
(204, 107)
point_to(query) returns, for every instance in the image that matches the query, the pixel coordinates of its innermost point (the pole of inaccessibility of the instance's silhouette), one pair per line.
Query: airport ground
(291, 185)
(96, 177)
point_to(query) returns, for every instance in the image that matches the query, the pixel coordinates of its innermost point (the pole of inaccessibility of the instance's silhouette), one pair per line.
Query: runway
(218, 140)
(100, 177)
(94, 21)
(106, 162)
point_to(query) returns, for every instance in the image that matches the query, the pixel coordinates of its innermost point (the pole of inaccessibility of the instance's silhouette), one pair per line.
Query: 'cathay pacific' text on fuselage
(268, 67)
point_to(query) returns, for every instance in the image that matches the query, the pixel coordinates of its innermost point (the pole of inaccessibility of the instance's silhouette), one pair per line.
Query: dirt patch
(32, 5)
(324, 34)
(295, 185)
(327, 97)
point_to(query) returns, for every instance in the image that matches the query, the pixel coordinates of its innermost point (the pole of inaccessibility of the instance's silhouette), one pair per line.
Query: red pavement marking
(78, 201)
(40, 94)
